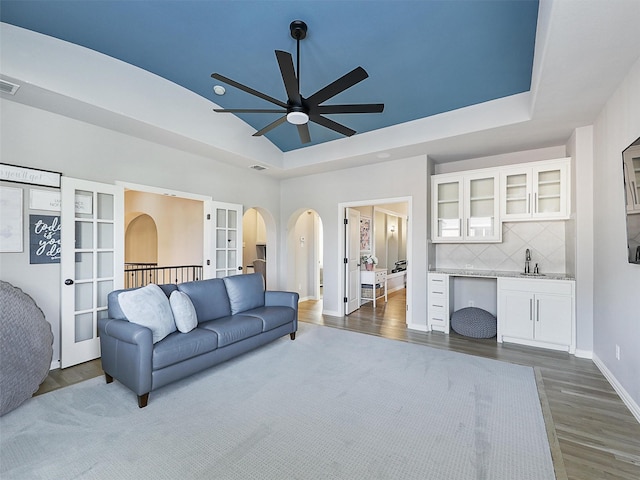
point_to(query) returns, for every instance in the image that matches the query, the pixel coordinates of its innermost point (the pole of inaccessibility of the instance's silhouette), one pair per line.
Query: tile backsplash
(546, 240)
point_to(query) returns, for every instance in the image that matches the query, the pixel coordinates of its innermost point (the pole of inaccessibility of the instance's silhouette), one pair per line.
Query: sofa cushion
(183, 311)
(177, 347)
(233, 329)
(209, 298)
(149, 306)
(272, 317)
(245, 292)
(113, 303)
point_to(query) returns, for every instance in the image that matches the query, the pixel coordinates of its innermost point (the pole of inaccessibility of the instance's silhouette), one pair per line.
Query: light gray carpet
(332, 404)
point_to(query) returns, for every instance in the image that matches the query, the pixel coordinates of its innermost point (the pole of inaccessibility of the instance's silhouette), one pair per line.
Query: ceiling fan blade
(285, 61)
(303, 132)
(248, 110)
(271, 126)
(335, 126)
(250, 90)
(346, 81)
(361, 108)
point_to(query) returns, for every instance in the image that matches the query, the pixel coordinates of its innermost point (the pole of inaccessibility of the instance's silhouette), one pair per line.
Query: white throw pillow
(149, 306)
(183, 310)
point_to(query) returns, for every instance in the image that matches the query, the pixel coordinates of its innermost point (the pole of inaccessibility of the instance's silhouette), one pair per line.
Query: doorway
(384, 234)
(305, 270)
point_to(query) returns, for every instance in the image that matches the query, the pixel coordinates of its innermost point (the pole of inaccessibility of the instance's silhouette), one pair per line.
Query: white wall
(179, 222)
(580, 230)
(40, 139)
(324, 192)
(616, 296)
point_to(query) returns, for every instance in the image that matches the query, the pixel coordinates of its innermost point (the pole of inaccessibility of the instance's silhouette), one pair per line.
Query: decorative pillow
(184, 312)
(149, 306)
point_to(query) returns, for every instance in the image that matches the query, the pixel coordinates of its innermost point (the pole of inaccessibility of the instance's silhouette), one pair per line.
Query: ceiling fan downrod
(298, 31)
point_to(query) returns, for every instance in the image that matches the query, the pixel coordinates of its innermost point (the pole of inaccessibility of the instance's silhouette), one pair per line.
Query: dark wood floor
(593, 435)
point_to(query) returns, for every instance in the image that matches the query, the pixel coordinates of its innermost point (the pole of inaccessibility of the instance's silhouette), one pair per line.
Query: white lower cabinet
(537, 312)
(439, 306)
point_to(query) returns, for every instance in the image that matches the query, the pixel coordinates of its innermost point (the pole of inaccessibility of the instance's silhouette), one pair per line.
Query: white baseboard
(626, 398)
(418, 326)
(584, 353)
(55, 364)
(331, 313)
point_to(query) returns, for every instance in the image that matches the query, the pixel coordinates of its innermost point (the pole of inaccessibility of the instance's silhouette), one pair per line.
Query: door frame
(177, 194)
(341, 243)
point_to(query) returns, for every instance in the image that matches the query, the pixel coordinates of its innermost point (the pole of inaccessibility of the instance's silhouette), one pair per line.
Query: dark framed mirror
(631, 169)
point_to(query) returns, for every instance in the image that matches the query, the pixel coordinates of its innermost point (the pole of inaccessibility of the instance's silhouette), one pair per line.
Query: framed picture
(14, 173)
(44, 239)
(365, 233)
(44, 200)
(11, 219)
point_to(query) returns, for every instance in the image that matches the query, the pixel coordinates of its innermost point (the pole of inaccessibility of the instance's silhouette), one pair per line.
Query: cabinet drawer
(438, 281)
(381, 277)
(555, 287)
(437, 319)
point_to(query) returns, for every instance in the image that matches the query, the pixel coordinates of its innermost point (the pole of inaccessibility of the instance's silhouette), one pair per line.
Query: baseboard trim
(622, 393)
(418, 326)
(55, 364)
(331, 313)
(584, 353)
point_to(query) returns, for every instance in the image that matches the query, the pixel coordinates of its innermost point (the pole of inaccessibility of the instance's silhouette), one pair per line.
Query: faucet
(527, 259)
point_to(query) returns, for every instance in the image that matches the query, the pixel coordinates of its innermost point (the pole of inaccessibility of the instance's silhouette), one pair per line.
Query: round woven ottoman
(474, 322)
(26, 344)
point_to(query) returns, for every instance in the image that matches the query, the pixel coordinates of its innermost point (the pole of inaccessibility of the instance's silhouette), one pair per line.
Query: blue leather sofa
(235, 314)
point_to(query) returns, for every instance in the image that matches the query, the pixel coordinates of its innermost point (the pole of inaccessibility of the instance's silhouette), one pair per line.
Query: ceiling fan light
(297, 118)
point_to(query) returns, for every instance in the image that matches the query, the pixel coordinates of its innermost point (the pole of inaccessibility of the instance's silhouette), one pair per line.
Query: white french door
(352, 265)
(91, 264)
(223, 244)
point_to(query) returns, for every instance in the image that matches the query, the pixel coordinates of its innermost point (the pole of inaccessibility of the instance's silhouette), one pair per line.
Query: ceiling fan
(298, 110)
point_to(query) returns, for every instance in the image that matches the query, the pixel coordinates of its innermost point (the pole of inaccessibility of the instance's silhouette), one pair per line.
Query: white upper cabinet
(537, 191)
(632, 178)
(465, 207)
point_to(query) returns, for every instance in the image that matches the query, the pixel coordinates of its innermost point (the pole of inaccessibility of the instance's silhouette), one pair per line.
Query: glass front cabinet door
(447, 209)
(538, 191)
(465, 208)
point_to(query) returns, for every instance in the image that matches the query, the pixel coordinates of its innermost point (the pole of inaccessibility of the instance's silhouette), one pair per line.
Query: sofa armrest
(281, 299)
(126, 350)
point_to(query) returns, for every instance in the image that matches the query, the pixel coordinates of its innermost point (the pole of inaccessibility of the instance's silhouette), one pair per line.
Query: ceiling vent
(8, 87)
(258, 167)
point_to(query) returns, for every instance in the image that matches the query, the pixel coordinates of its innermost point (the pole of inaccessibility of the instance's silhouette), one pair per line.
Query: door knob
(240, 267)
(68, 281)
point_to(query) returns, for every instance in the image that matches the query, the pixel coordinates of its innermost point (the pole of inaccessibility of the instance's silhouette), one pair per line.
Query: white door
(91, 264)
(352, 264)
(223, 248)
(553, 318)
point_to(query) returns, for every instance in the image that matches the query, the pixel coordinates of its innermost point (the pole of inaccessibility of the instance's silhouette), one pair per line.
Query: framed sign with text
(32, 176)
(44, 239)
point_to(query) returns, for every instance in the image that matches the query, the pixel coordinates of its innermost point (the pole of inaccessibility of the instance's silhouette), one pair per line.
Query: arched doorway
(305, 254)
(141, 240)
(259, 244)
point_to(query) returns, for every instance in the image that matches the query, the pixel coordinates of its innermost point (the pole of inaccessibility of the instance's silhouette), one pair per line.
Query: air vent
(8, 87)
(258, 167)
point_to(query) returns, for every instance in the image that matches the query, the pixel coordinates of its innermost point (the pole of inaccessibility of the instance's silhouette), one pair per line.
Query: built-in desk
(536, 310)
(373, 285)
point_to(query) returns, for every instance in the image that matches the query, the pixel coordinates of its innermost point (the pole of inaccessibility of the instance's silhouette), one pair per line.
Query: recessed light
(219, 90)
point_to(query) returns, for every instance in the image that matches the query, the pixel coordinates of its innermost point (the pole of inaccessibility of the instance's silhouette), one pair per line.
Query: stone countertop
(504, 274)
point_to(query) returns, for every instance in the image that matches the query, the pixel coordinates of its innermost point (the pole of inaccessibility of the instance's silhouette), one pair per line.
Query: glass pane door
(516, 194)
(449, 215)
(91, 263)
(482, 206)
(225, 255)
(549, 190)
